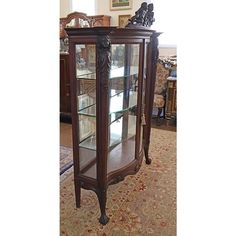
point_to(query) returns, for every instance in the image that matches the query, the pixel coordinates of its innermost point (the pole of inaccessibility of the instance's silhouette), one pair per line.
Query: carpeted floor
(66, 159)
(142, 204)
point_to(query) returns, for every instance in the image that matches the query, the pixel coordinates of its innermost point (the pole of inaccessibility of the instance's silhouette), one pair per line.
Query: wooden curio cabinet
(112, 77)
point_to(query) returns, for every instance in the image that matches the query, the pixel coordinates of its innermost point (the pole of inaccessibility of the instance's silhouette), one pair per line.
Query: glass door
(123, 97)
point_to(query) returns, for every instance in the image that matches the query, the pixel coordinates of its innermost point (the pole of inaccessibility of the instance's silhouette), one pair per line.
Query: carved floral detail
(104, 58)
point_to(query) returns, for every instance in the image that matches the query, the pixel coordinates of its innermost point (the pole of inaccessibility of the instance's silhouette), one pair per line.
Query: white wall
(68, 6)
(85, 6)
(167, 51)
(103, 8)
(65, 8)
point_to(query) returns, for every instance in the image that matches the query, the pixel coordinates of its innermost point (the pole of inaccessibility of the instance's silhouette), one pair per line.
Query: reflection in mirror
(86, 61)
(64, 45)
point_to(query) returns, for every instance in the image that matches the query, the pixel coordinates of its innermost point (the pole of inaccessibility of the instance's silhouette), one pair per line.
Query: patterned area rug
(142, 204)
(66, 162)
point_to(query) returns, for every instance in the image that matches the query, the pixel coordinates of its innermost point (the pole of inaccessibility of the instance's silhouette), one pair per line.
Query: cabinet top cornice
(116, 31)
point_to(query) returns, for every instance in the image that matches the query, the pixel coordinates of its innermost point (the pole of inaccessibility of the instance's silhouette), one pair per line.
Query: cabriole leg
(146, 133)
(102, 197)
(147, 159)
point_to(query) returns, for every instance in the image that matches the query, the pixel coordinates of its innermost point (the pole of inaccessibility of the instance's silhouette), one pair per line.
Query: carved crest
(104, 59)
(144, 16)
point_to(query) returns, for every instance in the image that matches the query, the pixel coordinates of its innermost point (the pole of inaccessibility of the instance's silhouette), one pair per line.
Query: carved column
(102, 110)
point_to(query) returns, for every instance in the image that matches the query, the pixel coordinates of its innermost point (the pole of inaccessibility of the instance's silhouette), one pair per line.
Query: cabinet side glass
(86, 107)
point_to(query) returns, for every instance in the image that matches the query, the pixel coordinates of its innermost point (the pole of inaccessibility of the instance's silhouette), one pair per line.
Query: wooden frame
(120, 5)
(123, 20)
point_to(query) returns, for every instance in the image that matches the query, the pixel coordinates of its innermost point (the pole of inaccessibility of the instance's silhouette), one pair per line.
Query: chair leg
(102, 198)
(158, 115)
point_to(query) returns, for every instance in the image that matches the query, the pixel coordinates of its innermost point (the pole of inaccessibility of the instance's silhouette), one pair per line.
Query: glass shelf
(85, 101)
(116, 130)
(88, 111)
(89, 143)
(115, 137)
(117, 104)
(85, 74)
(87, 127)
(116, 72)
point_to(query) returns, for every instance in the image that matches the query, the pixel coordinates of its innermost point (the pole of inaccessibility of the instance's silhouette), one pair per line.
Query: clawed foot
(148, 161)
(103, 219)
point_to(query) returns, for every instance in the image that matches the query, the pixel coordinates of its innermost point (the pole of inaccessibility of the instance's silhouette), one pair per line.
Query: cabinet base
(147, 159)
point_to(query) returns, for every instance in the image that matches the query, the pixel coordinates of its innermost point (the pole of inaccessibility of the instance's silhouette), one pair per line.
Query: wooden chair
(74, 19)
(159, 102)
